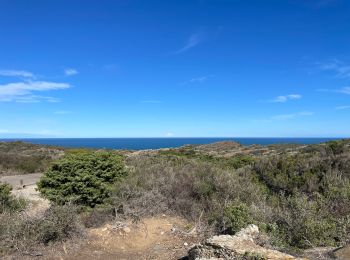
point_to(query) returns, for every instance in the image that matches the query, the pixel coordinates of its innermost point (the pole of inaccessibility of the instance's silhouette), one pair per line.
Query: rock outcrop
(240, 246)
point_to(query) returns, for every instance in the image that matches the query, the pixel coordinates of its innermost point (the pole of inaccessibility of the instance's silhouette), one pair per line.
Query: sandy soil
(152, 238)
(161, 237)
(17, 181)
(25, 186)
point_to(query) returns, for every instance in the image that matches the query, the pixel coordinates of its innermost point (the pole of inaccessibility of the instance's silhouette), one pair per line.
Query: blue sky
(201, 68)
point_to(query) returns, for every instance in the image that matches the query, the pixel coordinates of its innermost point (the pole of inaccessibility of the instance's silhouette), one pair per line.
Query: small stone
(126, 230)
(185, 244)
(162, 233)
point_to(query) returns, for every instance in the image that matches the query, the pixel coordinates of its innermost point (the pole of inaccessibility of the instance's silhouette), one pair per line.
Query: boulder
(240, 246)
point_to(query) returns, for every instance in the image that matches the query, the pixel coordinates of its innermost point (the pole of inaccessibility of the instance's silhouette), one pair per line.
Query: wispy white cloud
(16, 73)
(283, 117)
(200, 79)
(283, 99)
(340, 69)
(342, 107)
(292, 115)
(24, 92)
(70, 72)
(169, 134)
(192, 41)
(344, 90)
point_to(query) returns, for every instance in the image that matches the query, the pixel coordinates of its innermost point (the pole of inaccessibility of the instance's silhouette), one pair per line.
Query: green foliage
(337, 147)
(304, 223)
(234, 162)
(85, 178)
(7, 201)
(236, 217)
(253, 256)
(300, 196)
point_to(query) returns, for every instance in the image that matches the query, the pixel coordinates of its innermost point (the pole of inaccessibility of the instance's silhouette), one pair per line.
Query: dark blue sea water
(155, 143)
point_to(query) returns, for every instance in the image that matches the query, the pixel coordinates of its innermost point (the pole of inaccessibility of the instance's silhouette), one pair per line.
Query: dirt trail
(25, 186)
(161, 237)
(151, 238)
(17, 181)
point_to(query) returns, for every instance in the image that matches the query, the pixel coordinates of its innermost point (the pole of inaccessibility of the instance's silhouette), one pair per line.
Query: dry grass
(18, 232)
(300, 197)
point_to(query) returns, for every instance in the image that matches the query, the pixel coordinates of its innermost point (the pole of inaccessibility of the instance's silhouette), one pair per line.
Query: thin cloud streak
(24, 91)
(292, 116)
(339, 68)
(192, 41)
(199, 79)
(16, 73)
(196, 80)
(344, 90)
(342, 107)
(70, 72)
(283, 99)
(283, 117)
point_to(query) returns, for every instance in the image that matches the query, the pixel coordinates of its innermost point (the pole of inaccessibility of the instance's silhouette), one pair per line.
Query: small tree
(85, 178)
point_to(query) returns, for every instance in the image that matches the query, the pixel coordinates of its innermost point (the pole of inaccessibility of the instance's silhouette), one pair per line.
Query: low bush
(236, 217)
(84, 178)
(96, 217)
(20, 232)
(9, 202)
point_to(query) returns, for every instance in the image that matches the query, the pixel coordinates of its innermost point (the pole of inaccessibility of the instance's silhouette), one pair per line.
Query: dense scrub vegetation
(302, 199)
(21, 158)
(78, 180)
(298, 195)
(19, 231)
(84, 178)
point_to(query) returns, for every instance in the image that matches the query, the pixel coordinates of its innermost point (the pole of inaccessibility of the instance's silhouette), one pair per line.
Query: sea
(157, 143)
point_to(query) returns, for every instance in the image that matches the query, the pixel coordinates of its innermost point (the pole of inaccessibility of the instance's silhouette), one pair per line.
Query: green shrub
(236, 217)
(7, 201)
(337, 147)
(85, 178)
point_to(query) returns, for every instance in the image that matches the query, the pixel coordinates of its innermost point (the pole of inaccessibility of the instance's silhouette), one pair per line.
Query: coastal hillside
(22, 158)
(222, 200)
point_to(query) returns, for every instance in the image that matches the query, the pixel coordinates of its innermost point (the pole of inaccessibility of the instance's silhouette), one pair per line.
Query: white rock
(126, 229)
